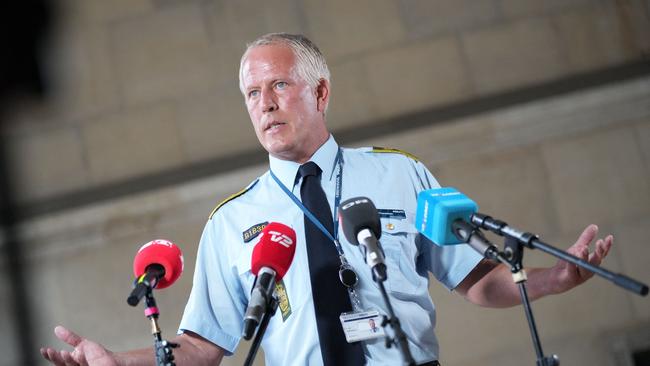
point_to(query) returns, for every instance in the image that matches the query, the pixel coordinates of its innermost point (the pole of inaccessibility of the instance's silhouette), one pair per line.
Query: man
(285, 82)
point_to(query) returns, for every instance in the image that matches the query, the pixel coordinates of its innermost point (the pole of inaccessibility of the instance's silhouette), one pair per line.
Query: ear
(322, 95)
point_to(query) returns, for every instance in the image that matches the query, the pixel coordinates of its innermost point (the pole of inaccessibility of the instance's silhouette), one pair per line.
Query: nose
(268, 102)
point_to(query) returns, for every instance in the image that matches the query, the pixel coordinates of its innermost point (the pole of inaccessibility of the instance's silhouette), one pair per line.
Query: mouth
(274, 125)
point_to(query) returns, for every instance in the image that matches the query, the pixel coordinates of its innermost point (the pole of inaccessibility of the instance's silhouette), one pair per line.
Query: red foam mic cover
(275, 249)
(162, 252)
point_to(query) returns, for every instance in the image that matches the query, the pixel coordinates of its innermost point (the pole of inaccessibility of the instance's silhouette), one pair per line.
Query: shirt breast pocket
(398, 242)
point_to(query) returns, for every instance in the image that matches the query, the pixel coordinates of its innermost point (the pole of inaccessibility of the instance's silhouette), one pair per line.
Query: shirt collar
(324, 157)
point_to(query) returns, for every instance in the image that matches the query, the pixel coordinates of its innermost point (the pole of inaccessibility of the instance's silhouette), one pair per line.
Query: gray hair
(310, 63)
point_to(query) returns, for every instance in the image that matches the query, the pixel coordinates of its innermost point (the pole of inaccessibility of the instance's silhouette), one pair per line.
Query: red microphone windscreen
(162, 252)
(275, 249)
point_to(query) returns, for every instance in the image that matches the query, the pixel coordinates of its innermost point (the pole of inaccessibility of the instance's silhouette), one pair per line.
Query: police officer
(286, 86)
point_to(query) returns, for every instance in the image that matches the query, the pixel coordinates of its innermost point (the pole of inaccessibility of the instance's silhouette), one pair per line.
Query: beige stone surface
(426, 18)
(165, 55)
(523, 8)
(81, 72)
(47, 163)
(351, 103)
(631, 245)
(522, 204)
(596, 37)
(620, 104)
(444, 142)
(215, 124)
(599, 177)
(433, 74)
(99, 11)
(8, 345)
(233, 24)
(346, 28)
(643, 138)
(136, 142)
(576, 348)
(514, 54)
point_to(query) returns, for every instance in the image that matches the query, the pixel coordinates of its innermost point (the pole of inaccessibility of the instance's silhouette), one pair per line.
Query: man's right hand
(194, 350)
(85, 353)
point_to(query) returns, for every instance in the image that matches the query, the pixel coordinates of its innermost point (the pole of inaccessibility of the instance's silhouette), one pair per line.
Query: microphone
(361, 226)
(158, 264)
(443, 216)
(270, 261)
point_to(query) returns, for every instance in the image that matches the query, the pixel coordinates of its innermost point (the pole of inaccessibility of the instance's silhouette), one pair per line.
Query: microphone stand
(379, 275)
(514, 242)
(514, 253)
(162, 348)
(512, 256)
(271, 307)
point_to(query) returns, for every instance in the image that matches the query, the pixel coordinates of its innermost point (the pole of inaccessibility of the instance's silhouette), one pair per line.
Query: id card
(362, 326)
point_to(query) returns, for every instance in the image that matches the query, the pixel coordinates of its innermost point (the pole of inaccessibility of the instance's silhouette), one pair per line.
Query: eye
(281, 85)
(253, 93)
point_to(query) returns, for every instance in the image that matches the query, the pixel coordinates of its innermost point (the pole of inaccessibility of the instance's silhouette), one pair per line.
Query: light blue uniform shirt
(223, 279)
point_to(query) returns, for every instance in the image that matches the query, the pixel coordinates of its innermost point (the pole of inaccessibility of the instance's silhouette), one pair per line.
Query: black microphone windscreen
(356, 214)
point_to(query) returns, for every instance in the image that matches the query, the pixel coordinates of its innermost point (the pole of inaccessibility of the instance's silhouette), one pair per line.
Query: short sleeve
(216, 305)
(448, 264)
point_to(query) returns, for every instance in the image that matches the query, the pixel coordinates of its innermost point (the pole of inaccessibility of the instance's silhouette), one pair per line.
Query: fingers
(67, 336)
(601, 251)
(588, 234)
(67, 358)
(53, 356)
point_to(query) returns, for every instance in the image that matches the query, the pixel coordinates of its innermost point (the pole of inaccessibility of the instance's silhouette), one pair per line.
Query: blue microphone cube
(437, 209)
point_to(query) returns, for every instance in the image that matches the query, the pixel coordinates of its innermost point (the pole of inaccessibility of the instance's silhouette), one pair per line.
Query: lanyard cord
(337, 202)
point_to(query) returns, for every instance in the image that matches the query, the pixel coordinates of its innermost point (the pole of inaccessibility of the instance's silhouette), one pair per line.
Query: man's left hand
(564, 275)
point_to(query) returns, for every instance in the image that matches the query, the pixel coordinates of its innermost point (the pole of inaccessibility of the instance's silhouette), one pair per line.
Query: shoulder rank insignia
(232, 197)
(377, 149)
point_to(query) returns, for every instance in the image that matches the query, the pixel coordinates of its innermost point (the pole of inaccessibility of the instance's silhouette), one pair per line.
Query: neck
(304, 157)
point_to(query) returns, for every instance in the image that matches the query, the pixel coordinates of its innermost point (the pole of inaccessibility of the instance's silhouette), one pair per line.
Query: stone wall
(150, 86)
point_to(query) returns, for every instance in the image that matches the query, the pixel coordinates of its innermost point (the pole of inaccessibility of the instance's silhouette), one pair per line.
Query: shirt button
(390, 226)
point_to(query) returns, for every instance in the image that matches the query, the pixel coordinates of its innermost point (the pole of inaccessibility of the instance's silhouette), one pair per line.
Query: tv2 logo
(282, 239)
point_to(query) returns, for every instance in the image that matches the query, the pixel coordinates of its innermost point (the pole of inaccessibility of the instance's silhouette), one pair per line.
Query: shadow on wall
(24, 26)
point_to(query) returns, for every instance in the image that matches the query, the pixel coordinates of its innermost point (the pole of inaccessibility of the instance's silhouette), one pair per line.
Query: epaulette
(385, 150)
(232, 197)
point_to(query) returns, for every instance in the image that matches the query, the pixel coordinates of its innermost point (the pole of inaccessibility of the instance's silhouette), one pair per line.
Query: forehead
(266, 63)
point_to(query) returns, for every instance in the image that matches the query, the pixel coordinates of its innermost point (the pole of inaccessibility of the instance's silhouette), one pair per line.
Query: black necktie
(330, 296)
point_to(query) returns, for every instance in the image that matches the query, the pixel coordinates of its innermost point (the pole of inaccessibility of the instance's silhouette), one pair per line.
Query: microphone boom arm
(531, 241)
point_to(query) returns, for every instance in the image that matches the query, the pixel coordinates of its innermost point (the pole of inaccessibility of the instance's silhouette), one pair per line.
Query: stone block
(597, 37)
(578, 349)
(576, 113)
(132, 143)
(598, 177)
(48, 163)
(165, 55)
(338, 30)
(417, 76)
(350, 102)
(215, 124)
(460, 323)
(524, 8)
(441, 143)
(643, 137)
(427, 18)
(233, 24)
(631, 246)
(509, 184)
(98, 11)
(8, 340)
(82, 72)
(510, 55)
